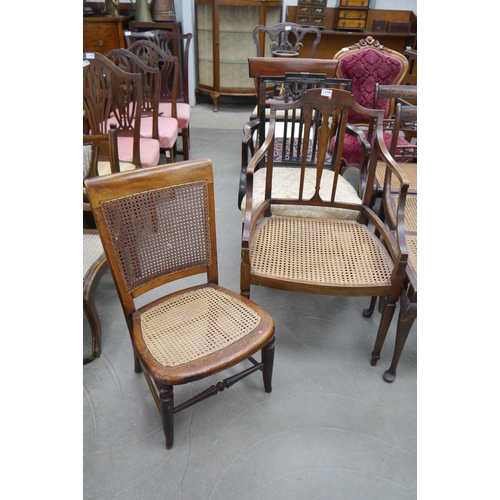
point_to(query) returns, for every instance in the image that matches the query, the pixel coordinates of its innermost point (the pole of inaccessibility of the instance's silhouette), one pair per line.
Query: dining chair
(408, 301)
(108, 91)
(95, 149)
(285, 39)
(153, 125)
(157, 226)
(319, 255)
(172, 44)
(400, 137)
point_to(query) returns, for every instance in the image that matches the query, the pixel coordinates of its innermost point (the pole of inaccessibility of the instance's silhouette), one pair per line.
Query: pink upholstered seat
(150, 151)
(183, 112)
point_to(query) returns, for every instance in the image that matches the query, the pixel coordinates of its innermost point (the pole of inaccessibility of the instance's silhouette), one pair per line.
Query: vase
(163, 10)
(142, 11)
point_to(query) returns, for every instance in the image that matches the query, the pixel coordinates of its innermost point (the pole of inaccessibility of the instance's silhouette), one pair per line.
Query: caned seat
(157, 227)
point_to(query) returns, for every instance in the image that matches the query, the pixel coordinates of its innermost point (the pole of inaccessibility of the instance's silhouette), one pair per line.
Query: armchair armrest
(246, 147)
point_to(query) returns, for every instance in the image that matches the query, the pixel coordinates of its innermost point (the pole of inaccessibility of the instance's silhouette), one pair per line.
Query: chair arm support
(246, 146)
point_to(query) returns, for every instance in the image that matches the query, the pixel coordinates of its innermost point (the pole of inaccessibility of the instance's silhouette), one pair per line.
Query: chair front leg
(167, 413)
(268, 360)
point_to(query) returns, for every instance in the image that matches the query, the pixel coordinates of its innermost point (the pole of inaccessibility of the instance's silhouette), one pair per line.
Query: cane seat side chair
(366, 63)
(408, 301)
(400, 136)
(157, 226)
(94, 261)
(110, 91)
(321, 255)
(164, 129)
(172, 44)
(285, 39)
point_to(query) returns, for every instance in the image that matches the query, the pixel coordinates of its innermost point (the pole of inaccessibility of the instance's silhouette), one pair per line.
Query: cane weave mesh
(159, 232)
(319, 251)
(411, 245)
(92, 252)
(409, 169)
(411, 214)
(195, 324)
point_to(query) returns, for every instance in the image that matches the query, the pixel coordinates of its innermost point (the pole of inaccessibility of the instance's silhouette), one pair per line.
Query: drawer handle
(100, 43)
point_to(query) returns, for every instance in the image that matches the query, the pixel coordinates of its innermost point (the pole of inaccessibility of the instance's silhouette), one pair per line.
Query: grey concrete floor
(331, 428)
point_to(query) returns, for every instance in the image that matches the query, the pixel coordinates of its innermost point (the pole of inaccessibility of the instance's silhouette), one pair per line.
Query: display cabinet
(224, 33)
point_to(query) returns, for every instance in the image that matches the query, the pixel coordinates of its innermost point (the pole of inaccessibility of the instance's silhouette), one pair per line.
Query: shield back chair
(177, 45)
(400, 136)
(285, 40)
(320, 255)
(95, 149)
(163, 129)
(157, 226)
(167, 42)
(366, 63)
(108, 91)
(408, 303)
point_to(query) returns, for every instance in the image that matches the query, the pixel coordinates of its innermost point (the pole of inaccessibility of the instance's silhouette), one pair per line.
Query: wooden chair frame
(157, 226)
(265, 256)
(286, 39)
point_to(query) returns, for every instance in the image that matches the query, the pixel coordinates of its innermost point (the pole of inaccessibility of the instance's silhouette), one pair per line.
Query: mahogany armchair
(157, 226)
(319, 255)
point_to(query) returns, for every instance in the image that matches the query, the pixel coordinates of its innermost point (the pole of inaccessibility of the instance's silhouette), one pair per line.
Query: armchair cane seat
(411, 245)
(92, 252)
(409, 169)
(194, 324)
(333, 253)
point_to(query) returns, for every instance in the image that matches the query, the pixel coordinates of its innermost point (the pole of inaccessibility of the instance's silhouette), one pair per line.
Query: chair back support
(366, 63)
(183, 41)
(151, 81)
(285, 39)
(318, 106)
(152, 55)
(108, 89)
(142, 248)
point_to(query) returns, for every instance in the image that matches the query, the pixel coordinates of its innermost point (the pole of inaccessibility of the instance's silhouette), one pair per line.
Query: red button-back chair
(366, 63)
(108, 91)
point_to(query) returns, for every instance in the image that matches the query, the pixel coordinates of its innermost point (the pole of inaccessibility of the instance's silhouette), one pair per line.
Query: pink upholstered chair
(168, 38)
(108, 90)
(162, 128)
(366, 63)
(165, 40)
